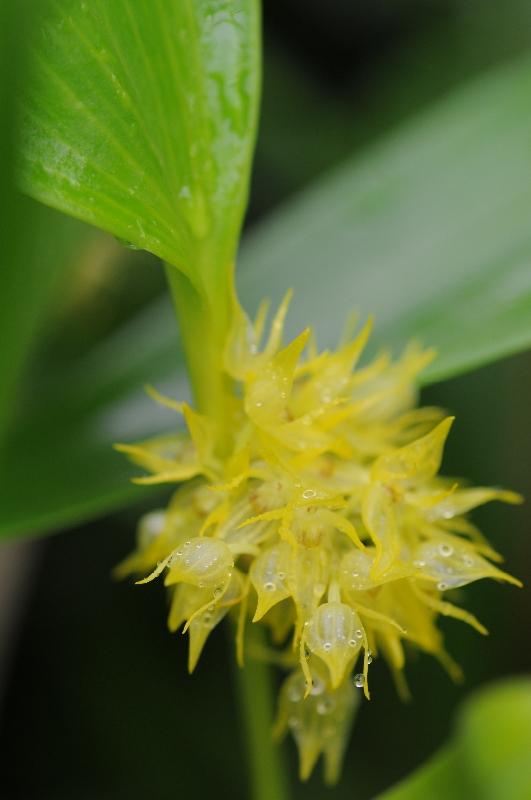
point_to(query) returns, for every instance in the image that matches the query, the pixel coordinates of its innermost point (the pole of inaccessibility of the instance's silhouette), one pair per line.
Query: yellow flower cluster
(326, 520)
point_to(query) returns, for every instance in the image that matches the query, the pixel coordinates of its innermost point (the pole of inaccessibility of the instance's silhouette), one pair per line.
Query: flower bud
(268, 576)
(307, 526)
(453, 562)
(356, 566)
(335, 634)
(204, 623)
(308, 575)
(320, 723)
(202, 561)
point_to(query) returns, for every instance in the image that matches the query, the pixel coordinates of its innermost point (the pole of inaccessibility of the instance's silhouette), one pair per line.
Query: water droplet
(318, 589)
(307, 654)
(201, 585)
(294, 694)
(317, 688)
(207, 620)
(269, 586)
(187, 544)
(353, 643)
(322, 708)
(327, 647)
(359, 680)
(369, 658)
(441, 586)
(217, 592)
(469, 561)
(259, 404)
(359, 634)
(179, 552)
(281, 576)
(446, 549)
(309, 493)
(211, 608)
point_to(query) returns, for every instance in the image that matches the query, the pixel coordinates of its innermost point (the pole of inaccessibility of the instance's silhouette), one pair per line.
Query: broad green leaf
(429, 230)
(495, 739)
(489, 757)
(36, 242)
(442, 778)
(140, 119)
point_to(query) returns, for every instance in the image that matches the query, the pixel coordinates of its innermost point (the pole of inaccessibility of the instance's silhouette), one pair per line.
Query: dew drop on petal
(446, 549)
(359, 680)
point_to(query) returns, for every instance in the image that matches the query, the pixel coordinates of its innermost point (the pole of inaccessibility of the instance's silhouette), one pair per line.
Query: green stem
(255, 692)
(204, 327)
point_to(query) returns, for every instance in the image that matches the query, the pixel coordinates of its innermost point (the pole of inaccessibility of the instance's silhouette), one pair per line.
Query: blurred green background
(97, 701)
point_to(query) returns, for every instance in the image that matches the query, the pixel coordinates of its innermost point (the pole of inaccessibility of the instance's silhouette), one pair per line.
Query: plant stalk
(256, 696)
(204, 326)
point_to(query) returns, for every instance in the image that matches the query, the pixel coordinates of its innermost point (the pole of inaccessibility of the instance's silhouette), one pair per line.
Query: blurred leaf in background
(489, 757)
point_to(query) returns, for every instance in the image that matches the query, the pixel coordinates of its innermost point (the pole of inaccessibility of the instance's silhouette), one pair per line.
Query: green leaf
(442, 778)
(489, 758)
(140, 119)
(495, 737)
(429, 230)
(36, 242)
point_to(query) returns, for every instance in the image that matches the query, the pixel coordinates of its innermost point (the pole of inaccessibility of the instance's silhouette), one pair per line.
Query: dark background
(99, 703)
